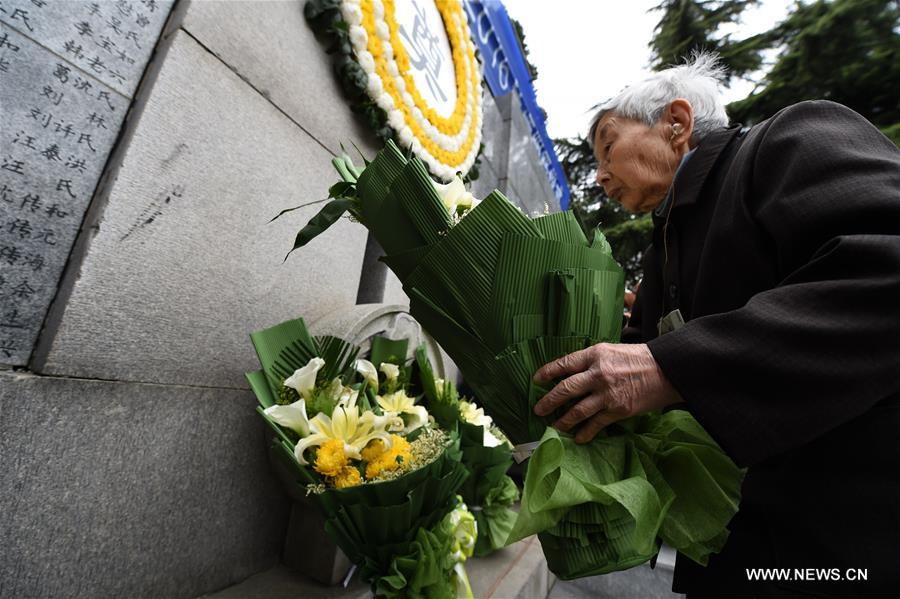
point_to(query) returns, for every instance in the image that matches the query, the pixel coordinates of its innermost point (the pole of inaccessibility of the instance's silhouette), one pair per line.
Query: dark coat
(783, 255)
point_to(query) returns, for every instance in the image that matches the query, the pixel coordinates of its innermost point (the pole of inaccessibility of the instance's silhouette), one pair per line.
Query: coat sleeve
(823, 346)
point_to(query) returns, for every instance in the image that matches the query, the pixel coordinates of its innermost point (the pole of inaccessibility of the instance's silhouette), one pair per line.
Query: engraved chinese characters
(68, 71)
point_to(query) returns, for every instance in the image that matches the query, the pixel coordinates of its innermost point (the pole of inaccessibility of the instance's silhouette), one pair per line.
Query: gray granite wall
(133, 462)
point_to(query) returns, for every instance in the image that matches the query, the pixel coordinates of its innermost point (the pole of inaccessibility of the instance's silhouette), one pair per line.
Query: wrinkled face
(635, 163)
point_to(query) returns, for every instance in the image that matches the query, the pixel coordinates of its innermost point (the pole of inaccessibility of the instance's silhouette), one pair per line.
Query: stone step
(516, 572)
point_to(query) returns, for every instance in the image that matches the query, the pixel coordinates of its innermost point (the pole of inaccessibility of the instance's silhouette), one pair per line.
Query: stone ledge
(518, 571)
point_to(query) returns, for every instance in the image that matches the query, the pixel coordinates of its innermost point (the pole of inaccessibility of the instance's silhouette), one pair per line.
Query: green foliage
(689, 26)
(629, 239)
(523, 46)
(892, 133)
(847, 51)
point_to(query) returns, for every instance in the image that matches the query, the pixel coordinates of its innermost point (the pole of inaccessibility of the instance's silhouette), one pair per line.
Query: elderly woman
(774, 273)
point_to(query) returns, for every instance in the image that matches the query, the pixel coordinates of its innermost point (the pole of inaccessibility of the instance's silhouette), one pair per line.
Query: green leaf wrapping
(488, 491)
(422, 572)
(504, 295)
(373, 522)
(601, 506)
(495, 519)
(388, 350)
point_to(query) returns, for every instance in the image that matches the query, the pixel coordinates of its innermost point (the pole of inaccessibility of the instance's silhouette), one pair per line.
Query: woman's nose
(602, 177)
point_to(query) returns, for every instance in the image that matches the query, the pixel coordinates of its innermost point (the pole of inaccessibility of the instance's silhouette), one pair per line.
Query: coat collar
(689, 180)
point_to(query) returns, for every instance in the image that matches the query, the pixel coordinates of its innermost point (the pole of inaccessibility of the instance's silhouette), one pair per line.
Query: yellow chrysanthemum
(399, 455)
(348, 477)
(331, 458)
(374, 449)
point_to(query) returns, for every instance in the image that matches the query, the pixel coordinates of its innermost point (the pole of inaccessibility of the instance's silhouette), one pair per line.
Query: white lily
(472, 414)
(439, 388)
(347, 426)
(304, 379)
(454, 196)
(368, 372)
(391, 371)
(348, 397)
(292, 416)
(344, 396)
(399, 403)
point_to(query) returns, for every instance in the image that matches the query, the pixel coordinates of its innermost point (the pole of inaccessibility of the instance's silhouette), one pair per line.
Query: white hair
(697, 81)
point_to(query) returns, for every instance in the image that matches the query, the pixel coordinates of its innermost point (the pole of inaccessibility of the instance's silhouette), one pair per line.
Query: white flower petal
(490, 440)
(348, 398)
(417, 417)
(391, 371)
(292, 416)
(304, 379)
(368, 372)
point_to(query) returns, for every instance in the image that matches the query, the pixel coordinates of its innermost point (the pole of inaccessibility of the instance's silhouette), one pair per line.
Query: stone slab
(528, 181)
(487, 180)
(393, 290)
(132, 490)
(107, 41)
(516, 572)
(67, 73)
(275, 51)
(640, 582)
(495, 129)
(184, 263)
(358, 324)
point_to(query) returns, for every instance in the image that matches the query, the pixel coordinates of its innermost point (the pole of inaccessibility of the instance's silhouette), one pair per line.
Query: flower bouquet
(486, 453)
(504, 294)
(383, 475)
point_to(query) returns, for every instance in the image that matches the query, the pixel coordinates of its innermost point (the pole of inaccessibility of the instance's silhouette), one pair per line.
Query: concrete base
(517, 572)
(132, 490)
(640, 582)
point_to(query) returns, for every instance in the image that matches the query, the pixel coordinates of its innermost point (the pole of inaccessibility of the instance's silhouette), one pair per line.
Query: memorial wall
(145, 146)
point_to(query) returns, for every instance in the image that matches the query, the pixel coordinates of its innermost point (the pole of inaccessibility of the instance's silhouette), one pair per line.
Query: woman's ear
(680, 115)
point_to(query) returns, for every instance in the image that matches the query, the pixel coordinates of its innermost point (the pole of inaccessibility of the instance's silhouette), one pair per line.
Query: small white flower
(391, 371)
(348, 397)
(455, 197)
(398, 404)
(395, 120)
(358, 36)
(367, 62)
(368, 372)
(472, 414)
(304, 379)
(352, 13)
(375, 87)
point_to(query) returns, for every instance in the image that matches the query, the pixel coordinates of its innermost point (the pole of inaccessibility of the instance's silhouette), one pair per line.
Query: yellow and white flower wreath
(446, 144)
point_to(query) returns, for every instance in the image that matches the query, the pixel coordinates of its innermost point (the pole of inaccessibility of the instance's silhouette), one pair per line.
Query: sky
(588, 50)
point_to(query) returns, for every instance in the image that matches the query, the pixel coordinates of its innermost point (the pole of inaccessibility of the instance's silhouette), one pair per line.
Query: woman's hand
(613, 382)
